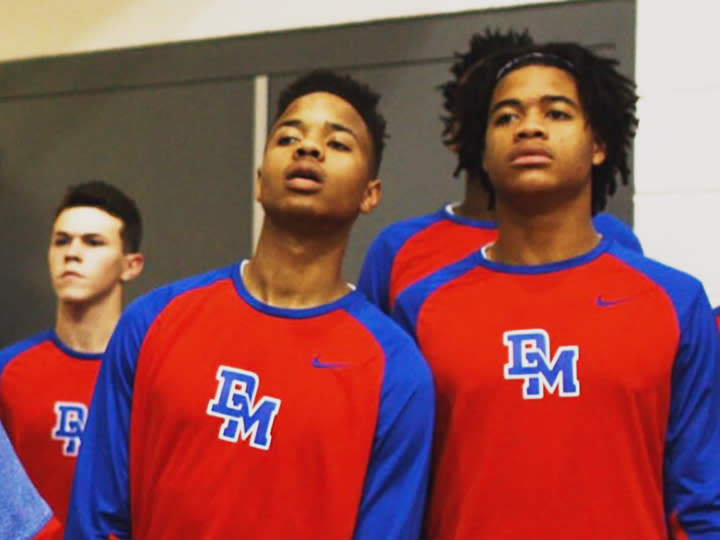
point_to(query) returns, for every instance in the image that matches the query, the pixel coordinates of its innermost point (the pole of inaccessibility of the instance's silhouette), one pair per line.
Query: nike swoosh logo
(316, 362)
(600, 301)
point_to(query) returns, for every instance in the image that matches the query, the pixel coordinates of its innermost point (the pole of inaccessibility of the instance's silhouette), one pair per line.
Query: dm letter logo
(243, 416)
(69, 424)
(529, 359)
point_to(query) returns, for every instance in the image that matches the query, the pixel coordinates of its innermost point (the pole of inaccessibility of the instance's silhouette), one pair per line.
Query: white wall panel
(681, 230)
(677, 148)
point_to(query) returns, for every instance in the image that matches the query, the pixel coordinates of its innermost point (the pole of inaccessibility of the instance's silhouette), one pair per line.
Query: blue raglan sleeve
(100, 499)
(374, 278)
(692, 453)
(23, 513)
(395, 487)
(614, 228)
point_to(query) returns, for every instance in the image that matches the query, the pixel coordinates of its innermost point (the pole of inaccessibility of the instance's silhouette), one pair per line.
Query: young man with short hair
(413, 248)
(577, 381)
(46, 381)
(268, 399)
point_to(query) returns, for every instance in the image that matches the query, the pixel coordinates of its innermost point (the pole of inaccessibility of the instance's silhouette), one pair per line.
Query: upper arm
(100, 500)
(395, 486)
(692, 456)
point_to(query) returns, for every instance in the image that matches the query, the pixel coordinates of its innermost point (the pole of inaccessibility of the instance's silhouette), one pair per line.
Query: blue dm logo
(235, 403)
(69, 424)
(529, 359)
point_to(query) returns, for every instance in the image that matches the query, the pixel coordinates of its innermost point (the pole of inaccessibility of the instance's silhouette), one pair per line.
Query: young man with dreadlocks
(413, 248)
(578, 382)
(268, 399)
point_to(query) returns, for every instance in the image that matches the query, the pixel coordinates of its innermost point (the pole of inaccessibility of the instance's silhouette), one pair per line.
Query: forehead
(323, 108)
(535, 81)
(87, 220)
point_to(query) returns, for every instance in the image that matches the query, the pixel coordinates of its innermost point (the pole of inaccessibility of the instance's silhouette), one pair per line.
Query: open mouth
(304, 173)
(304, 179)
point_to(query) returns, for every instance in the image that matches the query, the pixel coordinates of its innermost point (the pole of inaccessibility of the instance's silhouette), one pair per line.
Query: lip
(70, 274)
(304, 177)
(531, 155)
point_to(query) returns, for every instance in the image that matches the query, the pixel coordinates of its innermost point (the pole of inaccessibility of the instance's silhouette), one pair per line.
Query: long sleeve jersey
(578, 399)
(217, 416)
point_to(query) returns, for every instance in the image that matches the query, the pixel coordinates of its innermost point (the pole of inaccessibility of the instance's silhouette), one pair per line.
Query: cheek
(54, 259)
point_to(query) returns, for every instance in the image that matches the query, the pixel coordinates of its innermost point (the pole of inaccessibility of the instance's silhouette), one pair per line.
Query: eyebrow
(334, 126)
(551, 98)
(84, 235)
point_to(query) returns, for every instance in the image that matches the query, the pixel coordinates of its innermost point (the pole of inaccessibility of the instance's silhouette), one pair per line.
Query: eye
(504, 118)
(285, 140)
(557, 114)
(60, 240)
(94, 241)
(337, 145)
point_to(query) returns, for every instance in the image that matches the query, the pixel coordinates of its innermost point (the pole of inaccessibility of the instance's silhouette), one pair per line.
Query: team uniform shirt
(576, 399)
(23, 513)
(45, 391)
(216, 416)
(414, 248)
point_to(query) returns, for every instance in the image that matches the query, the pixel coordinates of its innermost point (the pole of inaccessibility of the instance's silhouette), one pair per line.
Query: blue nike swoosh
(604, 303)
(328, 365)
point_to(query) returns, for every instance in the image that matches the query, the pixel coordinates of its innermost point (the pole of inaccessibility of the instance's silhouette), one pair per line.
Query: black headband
(535, 58)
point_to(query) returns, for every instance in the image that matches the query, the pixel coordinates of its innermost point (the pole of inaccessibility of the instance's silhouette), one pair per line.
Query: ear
(258, 184)
(599, 153)
(134, 264)
(372, 196)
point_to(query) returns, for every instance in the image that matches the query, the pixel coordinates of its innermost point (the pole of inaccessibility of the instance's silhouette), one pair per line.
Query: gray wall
(173, 126)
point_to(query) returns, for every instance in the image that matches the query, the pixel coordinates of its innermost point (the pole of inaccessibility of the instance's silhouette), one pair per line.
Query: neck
(541, 237)
(298, 267)
(475, 203)
(87, 327)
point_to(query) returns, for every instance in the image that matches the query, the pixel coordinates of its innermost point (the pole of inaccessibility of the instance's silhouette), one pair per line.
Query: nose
(308, 147)
(531, 127)
(74, 250)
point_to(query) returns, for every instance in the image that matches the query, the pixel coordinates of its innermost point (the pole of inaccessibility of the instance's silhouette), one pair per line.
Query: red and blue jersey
(578, 399)
(217, 416)
(23, 513)
(45, 391)
(414, 248)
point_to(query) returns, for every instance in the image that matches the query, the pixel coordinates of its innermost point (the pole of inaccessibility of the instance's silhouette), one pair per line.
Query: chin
(71, 299)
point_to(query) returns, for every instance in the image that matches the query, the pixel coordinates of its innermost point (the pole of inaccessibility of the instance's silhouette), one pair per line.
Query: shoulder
(145, 310)
(614, 228)
(410, 300)
(154, 301)
(16, 349)
(403, 360)
(396, 234)
(683, 289)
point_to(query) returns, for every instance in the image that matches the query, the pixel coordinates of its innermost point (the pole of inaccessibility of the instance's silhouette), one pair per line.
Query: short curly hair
(357, 94)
